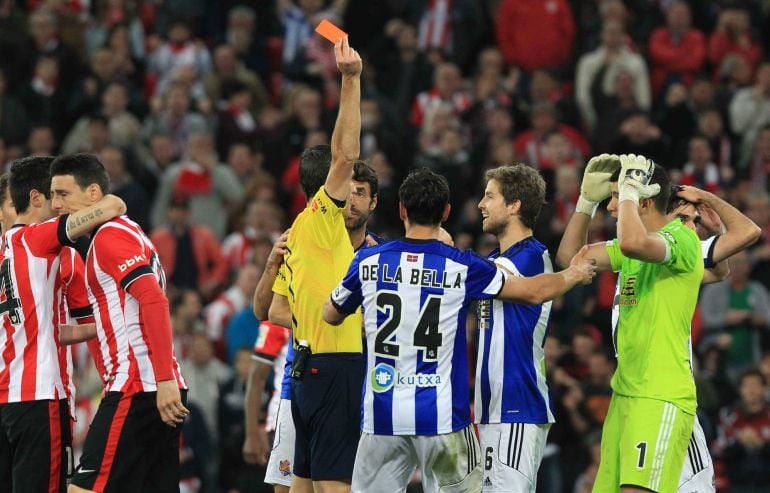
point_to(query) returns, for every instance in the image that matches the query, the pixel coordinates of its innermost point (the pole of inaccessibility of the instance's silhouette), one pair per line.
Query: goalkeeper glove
(596, 184)
(635, 175)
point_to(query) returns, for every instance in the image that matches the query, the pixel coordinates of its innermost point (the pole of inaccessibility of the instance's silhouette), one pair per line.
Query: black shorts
(326, 407)
(35, 446)
(128, 447)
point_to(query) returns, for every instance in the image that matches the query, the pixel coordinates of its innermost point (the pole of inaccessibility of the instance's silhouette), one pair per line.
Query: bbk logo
(130, 262)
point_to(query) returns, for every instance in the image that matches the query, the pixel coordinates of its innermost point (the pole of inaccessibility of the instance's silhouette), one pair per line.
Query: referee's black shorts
(35, 446)
(128, 447)
(326, 407)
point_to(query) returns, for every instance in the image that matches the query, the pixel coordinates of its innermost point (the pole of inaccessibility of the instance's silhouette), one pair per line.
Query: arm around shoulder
(85, 220)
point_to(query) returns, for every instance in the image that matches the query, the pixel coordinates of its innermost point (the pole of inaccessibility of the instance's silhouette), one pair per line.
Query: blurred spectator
(195, 451)
(233, 473)
(181, 57)
(260, 220)
(218, 313)
(639, 135)
(110, 18)
(559, 207)
(739, 307)
(190, 254)
(227, 66)
(242, 33)
(209, 185)
(43, 97)
(124, 128)
(204, 375)
(241, 332)
(299, 19)
(121, 184)
(46, 42)
(611, 57)
(447, 89)
(700, 170)
(534, 34)
(677, 51)
(14, 122)
(757, 169)
(172, 115)
(41, 141)
(402, 72)
(375, 135)
(758, 211)
(743, 444)
(305, 114)
(85, 96)
(236, 120)
(733, 36)
(750, 110)
(530, 145)
(711, 127)
(545, 87)
(596, 388)
(677, 121)
(585, 482)
(447, 29)
(186, 308)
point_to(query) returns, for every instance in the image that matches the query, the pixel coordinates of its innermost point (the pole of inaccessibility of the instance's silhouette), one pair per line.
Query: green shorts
(644, 442)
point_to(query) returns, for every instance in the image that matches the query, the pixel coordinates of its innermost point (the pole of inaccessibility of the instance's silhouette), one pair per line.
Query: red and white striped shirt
(29, 340)
(120, 253)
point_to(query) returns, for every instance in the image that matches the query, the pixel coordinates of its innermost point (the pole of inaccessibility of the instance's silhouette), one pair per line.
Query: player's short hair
(85, 168)
(3, 187)
(659, 176)
(425, 195)
(314, 164)
(365, 174)
(27, 174)
(523, 183)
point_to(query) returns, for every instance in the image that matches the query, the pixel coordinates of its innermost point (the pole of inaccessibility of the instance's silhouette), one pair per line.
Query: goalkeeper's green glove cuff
(585, 206)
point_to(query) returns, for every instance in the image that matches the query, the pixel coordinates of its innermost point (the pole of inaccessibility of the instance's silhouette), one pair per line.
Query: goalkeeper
(652, 411)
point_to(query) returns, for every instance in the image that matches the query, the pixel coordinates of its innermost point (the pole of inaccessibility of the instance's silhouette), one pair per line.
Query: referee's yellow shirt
(318, 256)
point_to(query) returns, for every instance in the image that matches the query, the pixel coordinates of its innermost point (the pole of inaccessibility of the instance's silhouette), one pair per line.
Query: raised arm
(544, 287)
(85, 220)
(739, 231)
(346, 138)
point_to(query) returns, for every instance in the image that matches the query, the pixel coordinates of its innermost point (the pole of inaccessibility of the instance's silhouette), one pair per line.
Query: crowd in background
(199, 110)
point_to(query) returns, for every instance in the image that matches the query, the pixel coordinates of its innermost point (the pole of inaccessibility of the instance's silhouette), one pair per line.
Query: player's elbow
(115, 205)
(753, 234)
(630, 246)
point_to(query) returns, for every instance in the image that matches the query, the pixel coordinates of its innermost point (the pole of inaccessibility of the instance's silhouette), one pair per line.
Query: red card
(330, 31)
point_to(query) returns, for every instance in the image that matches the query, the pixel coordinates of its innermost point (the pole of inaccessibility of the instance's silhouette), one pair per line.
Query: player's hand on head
(279, 248)
(596, 184)
(348, 59)
(690, 194)
(636, 167)
(710, 220)
(169, 402)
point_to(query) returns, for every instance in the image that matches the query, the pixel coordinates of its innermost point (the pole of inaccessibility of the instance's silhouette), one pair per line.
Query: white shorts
(279, 466)
(698, 469)
(450, 463)
(512, 455)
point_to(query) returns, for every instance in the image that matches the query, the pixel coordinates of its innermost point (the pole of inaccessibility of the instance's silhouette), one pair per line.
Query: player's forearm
(575, 236)
(717, 273)
(156, 323)
(74, 334)
(331, 315)
(263, 295)
(84, 221)
(254, 389)
(740, 233)
(537, 290)
(280, 313)
(632, 235)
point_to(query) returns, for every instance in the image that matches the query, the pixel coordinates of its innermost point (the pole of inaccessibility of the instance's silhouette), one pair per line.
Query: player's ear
(94, 192)
(373, 203)
(444, 216)
(401, 211)
(515, 207)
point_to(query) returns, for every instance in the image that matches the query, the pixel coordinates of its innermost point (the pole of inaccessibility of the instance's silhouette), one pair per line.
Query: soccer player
(650, 420)
(729, 232)
(34, 419)
(512, 405)
(7, 211)
(415, 293)
(133, 441)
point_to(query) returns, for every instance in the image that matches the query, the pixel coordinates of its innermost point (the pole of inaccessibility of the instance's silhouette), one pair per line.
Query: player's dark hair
(523, 183)
(27, 174)
(85, 168)
(314, 164)
(425, 195)
(365, 174)
(660, 177)
(3, 187)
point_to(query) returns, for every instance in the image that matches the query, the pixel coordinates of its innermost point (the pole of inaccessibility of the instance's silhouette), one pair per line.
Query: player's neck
(514, 233)
(357, 236)
(32, 216)
(653, 221)
(420, 232)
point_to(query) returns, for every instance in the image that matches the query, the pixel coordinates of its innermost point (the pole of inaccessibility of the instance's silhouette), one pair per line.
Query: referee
(328, 367)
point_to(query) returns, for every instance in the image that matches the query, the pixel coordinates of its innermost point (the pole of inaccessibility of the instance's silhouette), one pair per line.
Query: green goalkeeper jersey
(656, 305)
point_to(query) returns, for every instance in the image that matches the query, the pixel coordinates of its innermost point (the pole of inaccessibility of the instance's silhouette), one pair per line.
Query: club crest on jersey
(384, 377)
(130, 262)
(284, 467)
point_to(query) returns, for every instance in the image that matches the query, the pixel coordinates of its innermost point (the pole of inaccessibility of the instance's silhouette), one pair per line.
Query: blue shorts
(326, 407)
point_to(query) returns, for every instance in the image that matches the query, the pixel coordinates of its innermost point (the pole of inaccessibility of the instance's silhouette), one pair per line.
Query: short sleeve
(121, 254)
(348, 296)
(72, 272)
(707, 250)
(281, 283)
(616, 256)
(48, 238)
(325, 215)
(683, 249)
(270, 341)
(484, 280)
